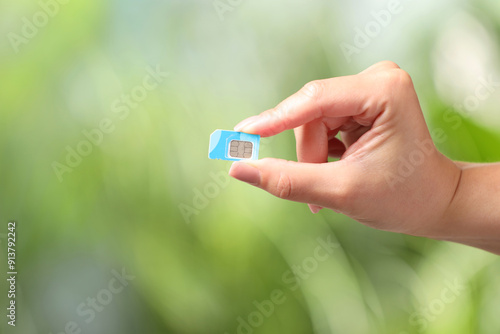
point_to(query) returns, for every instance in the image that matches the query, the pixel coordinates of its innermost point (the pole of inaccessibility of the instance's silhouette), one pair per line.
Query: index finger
(357, 95)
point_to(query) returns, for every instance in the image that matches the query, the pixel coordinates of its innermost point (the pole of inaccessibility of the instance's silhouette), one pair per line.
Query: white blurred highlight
(465, 56)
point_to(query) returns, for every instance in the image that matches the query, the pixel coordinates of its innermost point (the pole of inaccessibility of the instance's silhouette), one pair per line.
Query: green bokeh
(121, 207)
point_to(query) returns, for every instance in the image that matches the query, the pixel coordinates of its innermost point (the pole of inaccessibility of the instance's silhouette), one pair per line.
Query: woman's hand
(390, 175)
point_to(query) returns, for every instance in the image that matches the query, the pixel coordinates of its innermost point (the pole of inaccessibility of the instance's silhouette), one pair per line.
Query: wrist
(446, 222)
(473, 214)
(445, 186)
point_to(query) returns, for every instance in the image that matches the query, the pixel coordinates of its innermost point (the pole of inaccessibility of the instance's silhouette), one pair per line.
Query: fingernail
(243, 124)
(245, 172)
(314, 208)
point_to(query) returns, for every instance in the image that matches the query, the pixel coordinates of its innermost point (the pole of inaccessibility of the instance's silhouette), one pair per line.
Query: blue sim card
(233, 146)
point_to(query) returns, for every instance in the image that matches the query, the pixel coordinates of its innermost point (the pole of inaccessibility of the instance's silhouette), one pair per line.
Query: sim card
(233, 146)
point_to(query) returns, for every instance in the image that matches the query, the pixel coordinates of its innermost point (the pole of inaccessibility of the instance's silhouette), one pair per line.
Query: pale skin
(379, 118)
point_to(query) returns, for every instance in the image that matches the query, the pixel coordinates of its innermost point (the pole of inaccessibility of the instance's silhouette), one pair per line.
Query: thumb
(320, 184)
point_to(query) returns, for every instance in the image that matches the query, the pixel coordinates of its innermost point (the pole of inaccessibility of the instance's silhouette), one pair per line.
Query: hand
(390, 175)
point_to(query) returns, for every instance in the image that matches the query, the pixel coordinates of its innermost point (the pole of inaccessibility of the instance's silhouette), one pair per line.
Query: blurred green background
(104, 167)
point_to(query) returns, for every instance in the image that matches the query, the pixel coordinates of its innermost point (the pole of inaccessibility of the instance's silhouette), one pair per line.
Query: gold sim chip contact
(240, 149)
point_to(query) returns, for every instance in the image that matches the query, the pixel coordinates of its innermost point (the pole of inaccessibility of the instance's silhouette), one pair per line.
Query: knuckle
(284, 187)
(279, 113)
(398, 79)
(394, 83)
(313, 89)
(389, 64)
(403, 78)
